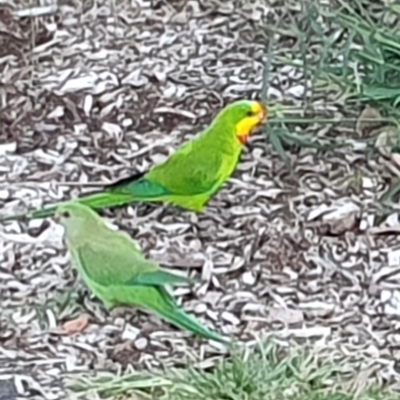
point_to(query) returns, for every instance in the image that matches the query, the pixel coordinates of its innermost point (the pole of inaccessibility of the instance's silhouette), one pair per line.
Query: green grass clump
(353, 49)
(266, 373)
(367, 65)
(347, 54)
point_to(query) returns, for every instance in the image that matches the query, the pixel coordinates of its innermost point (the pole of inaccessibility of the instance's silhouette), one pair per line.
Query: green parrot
(191, 175)
(116, 271)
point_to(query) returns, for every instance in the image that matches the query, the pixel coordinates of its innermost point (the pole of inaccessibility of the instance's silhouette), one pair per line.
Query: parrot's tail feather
(15, 217)
(94, 201)
(184, 321)
(102, 200)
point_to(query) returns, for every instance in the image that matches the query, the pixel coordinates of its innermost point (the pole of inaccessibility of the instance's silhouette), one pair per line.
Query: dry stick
(66, 183)
(82, 184)
(274, 139)
(267, 67)
(385, 230)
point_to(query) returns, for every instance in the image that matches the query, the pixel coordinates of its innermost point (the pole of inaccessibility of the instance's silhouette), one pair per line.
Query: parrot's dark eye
(66, 214)
(249, 113)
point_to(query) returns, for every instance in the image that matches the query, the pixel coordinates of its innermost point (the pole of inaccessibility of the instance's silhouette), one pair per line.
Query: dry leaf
(287, 316)
(388, 138)
(77, 325)
(369, 119)
(341, 225)
(396, 159)
(384, 230)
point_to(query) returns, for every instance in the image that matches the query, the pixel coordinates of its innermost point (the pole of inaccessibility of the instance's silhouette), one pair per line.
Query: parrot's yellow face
(252, 115)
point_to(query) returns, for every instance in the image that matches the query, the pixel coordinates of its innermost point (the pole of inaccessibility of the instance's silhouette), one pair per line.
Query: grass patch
(266, 373)
(349, 49)
(348, 55)
(365, 62)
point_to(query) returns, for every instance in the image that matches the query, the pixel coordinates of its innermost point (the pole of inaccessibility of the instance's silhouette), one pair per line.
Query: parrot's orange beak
(246, 125)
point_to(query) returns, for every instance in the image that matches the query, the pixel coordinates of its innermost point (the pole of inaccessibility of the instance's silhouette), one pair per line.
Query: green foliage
(348, 54)
(351, 46)
(265, 373)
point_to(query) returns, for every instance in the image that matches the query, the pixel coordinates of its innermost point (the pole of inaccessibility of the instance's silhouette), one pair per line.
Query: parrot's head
(243, 116)
(78, 220)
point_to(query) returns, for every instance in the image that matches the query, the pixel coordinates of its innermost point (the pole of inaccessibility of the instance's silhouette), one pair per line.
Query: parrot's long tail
(178, 317)
(184, 321)
(113, 195)
(94, 201)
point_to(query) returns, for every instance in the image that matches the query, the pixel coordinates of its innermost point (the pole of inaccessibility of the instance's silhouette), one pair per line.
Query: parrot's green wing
(128, 278)
(115, 260)
(112, 267)
(157, 278)
(140, 185)
(192, 170)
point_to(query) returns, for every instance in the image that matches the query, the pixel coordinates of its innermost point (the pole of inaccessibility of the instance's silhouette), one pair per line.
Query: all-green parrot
(191, 175)
(116, 271)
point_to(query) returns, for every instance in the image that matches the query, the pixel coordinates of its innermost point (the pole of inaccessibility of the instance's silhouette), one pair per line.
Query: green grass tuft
(353, 50)
(266, 373)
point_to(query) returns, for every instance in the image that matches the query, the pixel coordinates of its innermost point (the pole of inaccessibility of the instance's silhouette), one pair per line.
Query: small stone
(130, 333)
(368, 183)
(127, 122)
(285, 315)
(119, 322)
(386, 295)
(395, 301)
(4, 194)
(200, 308)
(229, 317)
(8, 148)
(88, 104)
(249, 278)
(56, 113)
(111, 129)
(394, 258)
(141, 343)
(79, 129)
(36, 223)
(392, 220)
